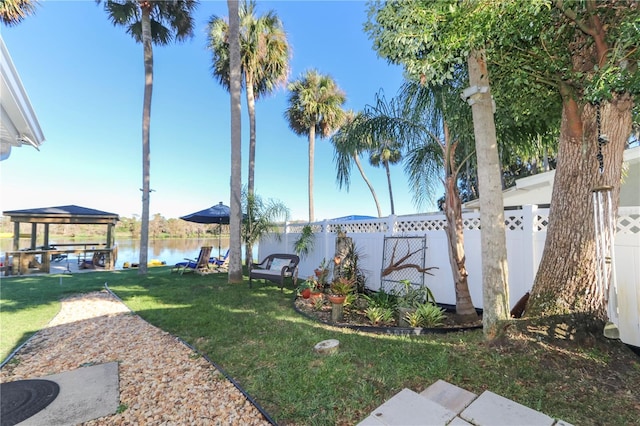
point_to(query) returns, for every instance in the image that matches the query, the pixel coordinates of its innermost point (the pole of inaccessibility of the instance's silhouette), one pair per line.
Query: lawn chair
(199, 266)
(223, 265)
(220, 263)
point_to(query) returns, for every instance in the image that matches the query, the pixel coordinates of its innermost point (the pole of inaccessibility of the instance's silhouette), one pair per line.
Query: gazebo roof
(62, 214)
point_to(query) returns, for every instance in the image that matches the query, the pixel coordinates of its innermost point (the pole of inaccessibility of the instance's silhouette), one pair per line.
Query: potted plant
(322, 273)
(306, 287)
(339, 290)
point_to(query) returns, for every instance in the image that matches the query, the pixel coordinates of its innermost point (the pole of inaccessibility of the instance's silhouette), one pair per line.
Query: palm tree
(385, 149)
(235, 203)
(148, 22)
(348, 151)
(315, 106)
(260, 219)
(12, 12)
(264, 53)
(432, 153)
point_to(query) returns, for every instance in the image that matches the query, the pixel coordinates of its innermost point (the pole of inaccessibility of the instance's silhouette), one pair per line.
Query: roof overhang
(18, 122)
(537, 189)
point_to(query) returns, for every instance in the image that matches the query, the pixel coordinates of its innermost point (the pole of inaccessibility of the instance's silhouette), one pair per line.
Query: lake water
(169, 250)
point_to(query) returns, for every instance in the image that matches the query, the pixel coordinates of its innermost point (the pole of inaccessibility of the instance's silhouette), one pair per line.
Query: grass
(258, 339)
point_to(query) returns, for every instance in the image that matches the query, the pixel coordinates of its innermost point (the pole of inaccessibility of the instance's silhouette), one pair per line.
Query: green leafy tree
(568, 62)
(235, 204)
(315, 107)
(150, 22)
(12, 12)
(260, 218)
(425, 39)
(347, 151)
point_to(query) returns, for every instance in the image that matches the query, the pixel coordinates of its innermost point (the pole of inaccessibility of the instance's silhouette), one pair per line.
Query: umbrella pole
(219, 232)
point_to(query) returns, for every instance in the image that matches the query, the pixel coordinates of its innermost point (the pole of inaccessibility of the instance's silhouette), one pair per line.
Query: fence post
(325, 240)
(391, 224)
(528, 244)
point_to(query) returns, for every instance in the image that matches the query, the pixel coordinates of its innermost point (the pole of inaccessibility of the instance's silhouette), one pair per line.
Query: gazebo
(59, 215)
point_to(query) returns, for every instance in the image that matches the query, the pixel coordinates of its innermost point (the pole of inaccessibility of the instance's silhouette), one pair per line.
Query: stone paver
(445, 404)
(450, 396)
(490, 409)
(409, 408)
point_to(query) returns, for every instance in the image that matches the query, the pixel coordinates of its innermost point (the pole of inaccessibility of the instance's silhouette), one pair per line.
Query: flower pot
(314, 297)
(338, 300)
(305, 293)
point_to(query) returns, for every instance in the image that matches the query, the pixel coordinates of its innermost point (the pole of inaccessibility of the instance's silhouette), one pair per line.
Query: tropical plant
(150, 22)
(342, 286)
(322, 272)
(381, 298)
(386, 149)
(426, 315)
(347, 151)
(411, 296)
(348, 265)
(315, 106)
(304, 244)
(310, 283)
(379, 315)
(12, 12)
(264, 55)
(260, 218)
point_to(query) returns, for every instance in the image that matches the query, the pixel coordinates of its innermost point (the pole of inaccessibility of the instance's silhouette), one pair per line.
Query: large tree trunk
(366, 180)
(235, 205)
(566, 278)
(495, 281)
(146, 148)
(312, 141)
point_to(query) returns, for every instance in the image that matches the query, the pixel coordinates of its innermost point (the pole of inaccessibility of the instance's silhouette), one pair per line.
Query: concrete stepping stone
(491, 409)
(449, 396)
(408, 408)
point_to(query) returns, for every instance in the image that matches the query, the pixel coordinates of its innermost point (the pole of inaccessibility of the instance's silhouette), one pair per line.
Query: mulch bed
(356, 319)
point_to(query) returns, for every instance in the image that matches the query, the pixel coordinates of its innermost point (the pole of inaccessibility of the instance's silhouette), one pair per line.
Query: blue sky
(84, 78)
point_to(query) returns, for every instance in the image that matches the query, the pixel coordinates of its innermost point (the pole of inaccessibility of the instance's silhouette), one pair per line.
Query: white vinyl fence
(525, 234)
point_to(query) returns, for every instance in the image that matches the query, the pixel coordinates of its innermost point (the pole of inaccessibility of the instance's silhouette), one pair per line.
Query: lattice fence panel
(403, 251)
(629, 224)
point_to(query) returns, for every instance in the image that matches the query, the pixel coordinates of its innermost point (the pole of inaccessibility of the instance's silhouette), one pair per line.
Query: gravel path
(162, 381)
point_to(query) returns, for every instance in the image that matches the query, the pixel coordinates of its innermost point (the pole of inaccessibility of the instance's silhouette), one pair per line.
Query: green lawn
(256, 336)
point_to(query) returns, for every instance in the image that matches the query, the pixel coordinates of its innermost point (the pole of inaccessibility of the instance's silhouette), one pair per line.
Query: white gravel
(162, 381)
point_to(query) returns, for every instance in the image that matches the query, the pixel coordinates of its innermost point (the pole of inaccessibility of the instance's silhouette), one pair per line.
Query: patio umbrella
(216, 214)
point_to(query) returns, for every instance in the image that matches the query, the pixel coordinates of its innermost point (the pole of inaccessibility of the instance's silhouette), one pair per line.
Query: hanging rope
(602, 139)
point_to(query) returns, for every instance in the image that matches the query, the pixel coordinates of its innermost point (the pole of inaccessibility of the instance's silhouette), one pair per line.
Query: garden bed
(354, 318)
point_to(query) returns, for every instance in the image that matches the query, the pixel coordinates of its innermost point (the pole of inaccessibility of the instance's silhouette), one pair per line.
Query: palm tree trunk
(312, 138)
(235, 204)
(495, 283)
(251, 107)
(455, 236)
(386, 167)
(366, 180)
(146, 148)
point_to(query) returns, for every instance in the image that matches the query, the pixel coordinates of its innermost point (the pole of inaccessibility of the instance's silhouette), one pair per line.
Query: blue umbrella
(216, 214)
